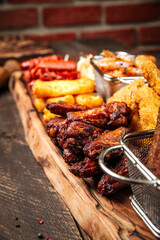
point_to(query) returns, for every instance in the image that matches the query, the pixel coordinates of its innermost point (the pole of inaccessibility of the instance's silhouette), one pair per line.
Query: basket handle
(115, 175)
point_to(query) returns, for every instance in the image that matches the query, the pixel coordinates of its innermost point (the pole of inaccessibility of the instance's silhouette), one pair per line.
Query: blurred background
(135, 23)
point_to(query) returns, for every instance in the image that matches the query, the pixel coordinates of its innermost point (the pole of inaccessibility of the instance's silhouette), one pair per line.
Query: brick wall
(133, 22)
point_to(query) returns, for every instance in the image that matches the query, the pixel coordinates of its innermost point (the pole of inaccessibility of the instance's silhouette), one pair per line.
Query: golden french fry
(47, 115)
(66, 98)
(39, 104)
(57, 88)
(89, 99)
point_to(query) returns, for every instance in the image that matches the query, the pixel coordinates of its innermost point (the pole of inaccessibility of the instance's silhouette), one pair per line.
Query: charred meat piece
(108, 185)
(78, 134)
(71, 157)
(109, 116)
(84, 169)
(96, 116)
(107, 139)
(53, 125)
(153, 158)
(62, 108)
(119, 114)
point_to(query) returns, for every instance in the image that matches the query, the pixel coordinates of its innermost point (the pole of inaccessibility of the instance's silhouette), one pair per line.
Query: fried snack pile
(83, 134)
(142, 99)
(52, 79)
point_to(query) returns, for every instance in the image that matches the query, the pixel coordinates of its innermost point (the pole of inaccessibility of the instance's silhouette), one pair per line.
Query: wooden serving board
(101, 217)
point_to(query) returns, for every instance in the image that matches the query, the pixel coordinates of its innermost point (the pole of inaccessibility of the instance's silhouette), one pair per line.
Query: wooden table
(26, 195)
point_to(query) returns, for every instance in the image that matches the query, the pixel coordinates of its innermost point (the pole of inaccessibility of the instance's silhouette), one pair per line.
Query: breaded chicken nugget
(39, 104)
(128, 94)
(151, 73)
(66, 98)
(47, 115)
(149, 103)
(139, 60)
(91, 100)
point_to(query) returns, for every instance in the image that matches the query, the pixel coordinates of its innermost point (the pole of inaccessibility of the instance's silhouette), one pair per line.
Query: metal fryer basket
(107, 85)
(145, 186)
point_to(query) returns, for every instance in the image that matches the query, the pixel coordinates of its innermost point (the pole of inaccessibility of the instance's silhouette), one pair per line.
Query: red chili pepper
(40, 221)
(47, 238)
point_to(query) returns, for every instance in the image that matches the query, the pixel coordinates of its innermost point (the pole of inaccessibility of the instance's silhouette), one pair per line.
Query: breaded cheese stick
(57, 88)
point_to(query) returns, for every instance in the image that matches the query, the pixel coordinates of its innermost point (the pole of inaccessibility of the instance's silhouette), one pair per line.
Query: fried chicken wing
(84, 169)
(109, 116)
(71, 157)
(78, 134)
(62, 108)
(107, 139)
(108, 185)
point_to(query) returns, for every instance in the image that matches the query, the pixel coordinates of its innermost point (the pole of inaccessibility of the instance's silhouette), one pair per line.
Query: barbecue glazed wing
(109, 116)
(62, 108)
(84, 169)
(79, 134)
(107, 139)
(71, 157)
(108, 185)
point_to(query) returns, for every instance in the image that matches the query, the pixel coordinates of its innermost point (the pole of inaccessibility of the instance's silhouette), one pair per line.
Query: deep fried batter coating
(47, 115)
(39, 103)
(84, 169)
(57, 88)
(91, 100)
(149, 103)
(143, 101)
(67, 98)
(62, 108)
(139, 60)
(128, 94)
(152, 74)
(107, 139)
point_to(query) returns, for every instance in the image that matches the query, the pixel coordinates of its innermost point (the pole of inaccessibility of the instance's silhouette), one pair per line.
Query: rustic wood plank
(101, 217)
(25, 192)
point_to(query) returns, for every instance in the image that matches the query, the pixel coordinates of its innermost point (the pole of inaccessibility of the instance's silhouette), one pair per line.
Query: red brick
(18, 18)
(53, 37)
(132, 12)
(126, 36)
(37, 1)
(150, 34)
(149, 50)
(62, 16)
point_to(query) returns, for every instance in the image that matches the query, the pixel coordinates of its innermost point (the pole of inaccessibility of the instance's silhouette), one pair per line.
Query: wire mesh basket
(144, 184)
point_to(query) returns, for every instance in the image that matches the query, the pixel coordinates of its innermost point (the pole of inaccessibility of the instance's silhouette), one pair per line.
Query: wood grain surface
(99, 216)
(25, 192)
